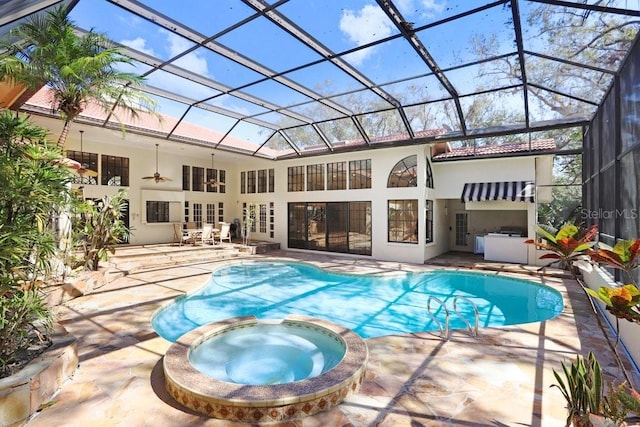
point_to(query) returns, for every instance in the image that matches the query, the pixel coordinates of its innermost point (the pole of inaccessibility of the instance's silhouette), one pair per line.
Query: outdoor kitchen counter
(505, 248)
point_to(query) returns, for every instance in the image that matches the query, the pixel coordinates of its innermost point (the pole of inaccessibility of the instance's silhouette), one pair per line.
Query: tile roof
(159, 124)
(496, 150)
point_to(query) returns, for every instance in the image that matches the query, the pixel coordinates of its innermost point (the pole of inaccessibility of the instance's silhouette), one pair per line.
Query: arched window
(429, 182)
(404, 173)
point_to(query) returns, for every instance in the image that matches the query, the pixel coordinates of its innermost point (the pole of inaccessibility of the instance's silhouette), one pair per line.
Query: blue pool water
(370, 305)
(267, 354)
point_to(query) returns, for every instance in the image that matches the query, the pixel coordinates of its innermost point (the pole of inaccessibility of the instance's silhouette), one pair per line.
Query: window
(212, 176)
(360, 174)
(462, 221)
(186, 212)
(429, 182)
(337, 176)
(186, 177)
(251, 182)
(360, 228)
(252, 215)
(88, 161)
(243, 182)
(262, 181)
(263, 218)
(157, 211)
(211, 213)
(428, 219)
(249, 216)
(403, 221)
(197, 180)
(197, 214)
(272, 180)
(271, 220)
(220, 212)
(330, 226)
(404, 173)
(295, 178)
(222, 182)
(115, 171)
(315, 177)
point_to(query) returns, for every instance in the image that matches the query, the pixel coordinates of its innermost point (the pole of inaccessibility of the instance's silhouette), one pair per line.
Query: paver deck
(502, 378)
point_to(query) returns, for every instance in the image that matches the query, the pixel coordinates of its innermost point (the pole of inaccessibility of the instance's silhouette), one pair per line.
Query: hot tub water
(267, 353)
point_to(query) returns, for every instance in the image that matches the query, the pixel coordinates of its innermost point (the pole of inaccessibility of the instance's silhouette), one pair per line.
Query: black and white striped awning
(515, 191)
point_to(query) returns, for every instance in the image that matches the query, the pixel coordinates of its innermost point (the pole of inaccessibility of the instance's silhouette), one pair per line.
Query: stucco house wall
(449, 180)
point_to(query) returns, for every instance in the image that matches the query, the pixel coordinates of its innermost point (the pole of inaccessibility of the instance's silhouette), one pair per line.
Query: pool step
(143, 258)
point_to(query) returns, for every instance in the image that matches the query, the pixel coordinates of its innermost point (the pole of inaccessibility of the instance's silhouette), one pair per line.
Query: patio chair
(207, 234)
(225, 232)
(180, 236)
(192, 233)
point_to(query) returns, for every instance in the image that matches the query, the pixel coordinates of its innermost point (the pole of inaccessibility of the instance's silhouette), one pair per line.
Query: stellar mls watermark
(609, 213)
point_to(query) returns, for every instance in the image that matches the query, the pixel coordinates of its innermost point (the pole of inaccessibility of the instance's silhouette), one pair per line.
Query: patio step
(143, 258)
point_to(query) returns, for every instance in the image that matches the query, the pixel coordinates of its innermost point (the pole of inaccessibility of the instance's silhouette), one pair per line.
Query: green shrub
(35, 189)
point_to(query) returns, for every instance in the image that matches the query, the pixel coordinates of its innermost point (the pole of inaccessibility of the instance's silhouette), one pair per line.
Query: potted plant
(581, 387)
(98, 227)
(622, 301)
(588, 405)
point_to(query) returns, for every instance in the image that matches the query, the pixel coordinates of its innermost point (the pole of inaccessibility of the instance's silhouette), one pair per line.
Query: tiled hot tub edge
(264, 404)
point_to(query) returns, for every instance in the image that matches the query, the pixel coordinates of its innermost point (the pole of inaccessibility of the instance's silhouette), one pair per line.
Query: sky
(337, 25)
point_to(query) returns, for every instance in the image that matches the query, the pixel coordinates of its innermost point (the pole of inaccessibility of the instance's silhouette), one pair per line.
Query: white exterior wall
(452, 175)
(489, 216)
(449, 179)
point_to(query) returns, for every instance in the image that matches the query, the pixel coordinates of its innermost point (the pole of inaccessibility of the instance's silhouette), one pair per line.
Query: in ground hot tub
(247, 370)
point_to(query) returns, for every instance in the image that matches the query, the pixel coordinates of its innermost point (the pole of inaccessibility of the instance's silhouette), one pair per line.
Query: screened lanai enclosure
(293, 78)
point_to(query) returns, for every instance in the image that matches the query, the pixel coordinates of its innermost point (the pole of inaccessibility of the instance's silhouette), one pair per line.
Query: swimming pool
(370, 305)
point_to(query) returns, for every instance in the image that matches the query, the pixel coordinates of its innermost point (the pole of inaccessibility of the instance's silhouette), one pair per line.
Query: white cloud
(191, 61)
(138, 44)
(421, 8)
(364, 26)
(432, 7)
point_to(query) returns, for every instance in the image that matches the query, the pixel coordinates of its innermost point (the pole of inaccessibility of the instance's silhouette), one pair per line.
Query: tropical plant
(582, 388)
(98, 227)
(623, 256)
(566, 245)
(248, 222)
(46, 50)
(34, 188)
(621, 301)
(619, 402)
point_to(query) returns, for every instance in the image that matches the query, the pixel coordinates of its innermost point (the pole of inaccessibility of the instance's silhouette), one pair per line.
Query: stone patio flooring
(502, 378)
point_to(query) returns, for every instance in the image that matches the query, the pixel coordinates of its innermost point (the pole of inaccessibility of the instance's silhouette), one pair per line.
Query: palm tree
(46, 50)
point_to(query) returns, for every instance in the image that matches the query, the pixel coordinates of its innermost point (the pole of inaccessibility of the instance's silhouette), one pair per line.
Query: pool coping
(263, 403)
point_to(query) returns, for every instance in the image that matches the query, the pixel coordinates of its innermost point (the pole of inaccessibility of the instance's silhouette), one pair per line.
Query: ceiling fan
(213, 181)
(156, 176)
(84, 170)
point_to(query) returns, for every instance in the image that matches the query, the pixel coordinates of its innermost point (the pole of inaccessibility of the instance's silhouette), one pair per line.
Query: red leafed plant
(566, 245)
(621, 301)
(624, 255)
